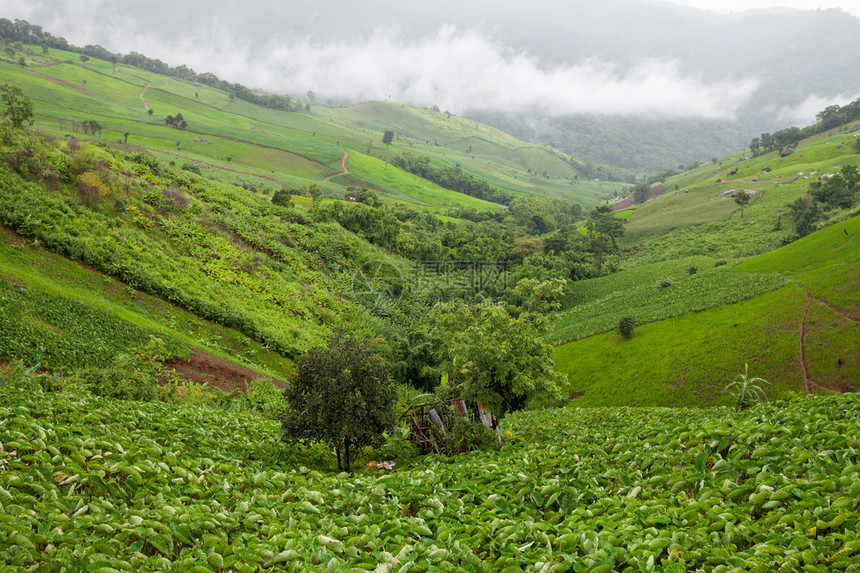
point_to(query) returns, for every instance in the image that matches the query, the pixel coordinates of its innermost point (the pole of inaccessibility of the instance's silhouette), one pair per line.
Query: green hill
(295, 148)
(205, 258)
(700, 299)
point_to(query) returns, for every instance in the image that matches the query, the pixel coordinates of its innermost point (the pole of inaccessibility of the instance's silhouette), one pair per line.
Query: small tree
(743, 199)
(342, 396)
(283, 198)
(84, 58)
(19, 108)
(747, 391)
(316, 194)
(387, 137)
(641, 193)
(626, 325)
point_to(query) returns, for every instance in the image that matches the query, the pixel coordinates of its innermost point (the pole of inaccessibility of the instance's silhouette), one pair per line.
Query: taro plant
(747, 391)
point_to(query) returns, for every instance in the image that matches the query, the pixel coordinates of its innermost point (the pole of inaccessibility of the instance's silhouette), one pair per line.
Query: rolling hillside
(296, 148)
(187, 217)
(712, 290)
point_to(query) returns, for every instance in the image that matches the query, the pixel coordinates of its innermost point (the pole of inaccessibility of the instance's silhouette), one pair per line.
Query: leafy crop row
(91, 483)
(60, 334)
(653, 301)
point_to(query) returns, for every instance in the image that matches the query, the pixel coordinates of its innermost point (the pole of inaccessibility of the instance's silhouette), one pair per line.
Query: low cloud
(462, 72)
(458, 70)
(804, 113)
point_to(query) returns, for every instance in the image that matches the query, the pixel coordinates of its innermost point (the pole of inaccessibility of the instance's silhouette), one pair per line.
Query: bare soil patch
(206, 368)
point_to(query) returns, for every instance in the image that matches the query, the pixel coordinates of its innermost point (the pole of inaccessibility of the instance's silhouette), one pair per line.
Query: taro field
(91, 484)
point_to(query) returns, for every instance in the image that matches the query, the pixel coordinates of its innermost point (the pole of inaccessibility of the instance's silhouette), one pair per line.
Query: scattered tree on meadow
(341, 395)
(387, 137)
(19, 107)
(743, 199)
(626, 325)
(84, 58)
(177, 121)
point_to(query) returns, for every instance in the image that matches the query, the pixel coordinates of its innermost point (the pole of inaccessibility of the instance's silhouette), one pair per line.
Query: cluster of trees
(541, 215)
(343, 395)
(838, 192)
(828, 118)
(176, 122)
(451, 177)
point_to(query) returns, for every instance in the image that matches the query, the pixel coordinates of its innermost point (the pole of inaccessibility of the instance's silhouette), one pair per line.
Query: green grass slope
(292, 148)
(691, 218)
(796, 337)
(826, 263)
(91, 483)
(62, 316)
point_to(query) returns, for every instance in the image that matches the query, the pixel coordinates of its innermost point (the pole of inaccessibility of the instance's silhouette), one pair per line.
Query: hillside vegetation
(295, 146)
(144, 487)
(155, 292)
(697, 289)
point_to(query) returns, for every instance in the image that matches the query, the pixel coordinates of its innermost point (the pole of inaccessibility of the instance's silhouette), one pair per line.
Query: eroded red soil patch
(216, 372)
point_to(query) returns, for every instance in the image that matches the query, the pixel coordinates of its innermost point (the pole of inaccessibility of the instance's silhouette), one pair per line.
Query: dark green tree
(387, 137)
(626, 325)
(341, 395)
(641, 193)
(283, 198)
(19, 108)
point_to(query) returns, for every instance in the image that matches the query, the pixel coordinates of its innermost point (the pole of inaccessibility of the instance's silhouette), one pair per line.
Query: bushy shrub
(126, 377)
(27, 379)
(263, 397)
(626, 325)
(92, 188)
(692, 269)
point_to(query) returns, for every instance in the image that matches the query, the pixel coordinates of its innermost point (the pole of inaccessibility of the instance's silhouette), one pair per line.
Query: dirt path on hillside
(216, 372)
(803, 366)
(342, 166)
(808, 382)
(143, 93)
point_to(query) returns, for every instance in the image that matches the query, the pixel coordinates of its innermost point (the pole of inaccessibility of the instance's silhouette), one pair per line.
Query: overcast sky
(727, 6)
(457, 68)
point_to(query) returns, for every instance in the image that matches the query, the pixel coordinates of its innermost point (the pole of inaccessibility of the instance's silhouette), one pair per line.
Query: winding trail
(342, 165)
(808, 382)
(143, 93)
(803, 365)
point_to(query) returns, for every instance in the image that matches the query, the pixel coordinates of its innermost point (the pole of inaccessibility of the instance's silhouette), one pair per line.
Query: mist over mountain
(614, 81)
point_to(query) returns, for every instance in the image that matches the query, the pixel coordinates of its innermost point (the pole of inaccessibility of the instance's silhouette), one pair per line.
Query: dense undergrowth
(92, 482)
